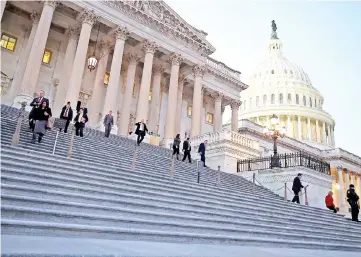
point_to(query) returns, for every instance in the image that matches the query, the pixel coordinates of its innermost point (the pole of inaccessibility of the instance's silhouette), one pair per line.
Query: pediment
(158, 15)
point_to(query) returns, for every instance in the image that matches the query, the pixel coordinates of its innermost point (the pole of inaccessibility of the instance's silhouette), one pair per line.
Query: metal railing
(299, 159)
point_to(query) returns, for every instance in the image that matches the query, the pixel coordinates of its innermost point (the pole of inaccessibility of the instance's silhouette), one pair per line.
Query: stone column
(143, 100)
(31, 73)
(309, 128)
(332, 136)
(178, 120)
(76, 76)
(197, 100)
(329, 135)
(347, 179)
(318, 136)
(235, 106)
(155, 103)
(99, 89)
(217, 111)
(324, 133)
(176, 60)
(133, 59)
(60, 100)
(342, 188)
(353, 179)
(3, 5)
(299, 127)
(289, 132)
(110, 103)
(19, 73)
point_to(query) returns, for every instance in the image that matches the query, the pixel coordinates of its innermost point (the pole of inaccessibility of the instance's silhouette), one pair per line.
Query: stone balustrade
(221, 67)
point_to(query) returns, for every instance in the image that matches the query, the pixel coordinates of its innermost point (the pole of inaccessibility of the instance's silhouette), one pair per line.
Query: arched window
(257, 101)
(272, 72)
(273, 99)
(289, 98)
(264, 99)
(281, 98)
(310, 102)
(304, 101)
(315, 103)
(297, 99)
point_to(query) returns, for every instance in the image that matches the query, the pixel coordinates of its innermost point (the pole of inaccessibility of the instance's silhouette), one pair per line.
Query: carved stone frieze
(89, 17)
(176, 59)
(157, 15)
(199, 70)
(121, 33)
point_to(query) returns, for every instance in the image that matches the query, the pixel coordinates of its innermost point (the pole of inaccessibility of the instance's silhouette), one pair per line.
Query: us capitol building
(141, 60)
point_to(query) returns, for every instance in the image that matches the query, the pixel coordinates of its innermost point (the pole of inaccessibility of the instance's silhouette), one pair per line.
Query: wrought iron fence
(299, 159)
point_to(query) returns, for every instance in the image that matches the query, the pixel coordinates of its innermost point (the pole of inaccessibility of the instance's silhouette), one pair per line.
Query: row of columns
(351, 178)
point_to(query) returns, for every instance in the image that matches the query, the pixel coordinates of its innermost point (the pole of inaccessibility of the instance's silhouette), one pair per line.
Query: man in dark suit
(108, 123)
(353, 199)
(35, 104)
(202, 152)
(296, 188)
(187, 150)
(67, 115)
(80, 119)
(140, 131)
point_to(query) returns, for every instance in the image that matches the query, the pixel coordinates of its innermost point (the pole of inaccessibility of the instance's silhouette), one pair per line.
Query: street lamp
(273, 133)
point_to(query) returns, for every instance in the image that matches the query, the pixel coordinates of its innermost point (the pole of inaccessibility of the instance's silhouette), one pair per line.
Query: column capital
(164, 88)
(199, 70)
(150, 46)
(121, 33)
(176, 59)
(235, 104)
(73, 33)
(217, 96)
(35, 17)
(53, 4)
(186, 95)
(104, 47)
(89, 17)
(158, 69)
(132, 58)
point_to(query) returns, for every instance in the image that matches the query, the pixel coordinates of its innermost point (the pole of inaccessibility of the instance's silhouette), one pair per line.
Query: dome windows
(272, 72)
(273, 99)
(315, 103)
(289, 98)
(310, 102)
(297, 99)
(244, 105)
(264, 99)
(250, 103)
(281, 98)
(304, 101)
(257, 101)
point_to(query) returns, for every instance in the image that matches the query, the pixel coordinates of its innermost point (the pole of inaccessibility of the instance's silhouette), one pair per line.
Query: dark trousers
(39, 138)
(175, 151)
(187, 154)
(296, 198)
(32, 124)
(332, 208)
(354, 212)
(79, 131)
(67, 122)
(203, 159)
(140, 137)
(108, 128)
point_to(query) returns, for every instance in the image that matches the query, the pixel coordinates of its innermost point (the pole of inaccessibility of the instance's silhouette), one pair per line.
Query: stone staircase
(96, 195)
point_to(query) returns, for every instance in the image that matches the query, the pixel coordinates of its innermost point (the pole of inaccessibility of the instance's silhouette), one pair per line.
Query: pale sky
(323, 38)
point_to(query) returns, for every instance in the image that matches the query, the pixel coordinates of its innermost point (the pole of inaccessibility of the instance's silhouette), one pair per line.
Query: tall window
(272, 72)
(8, 42)
(264, 99)
(273, 99)
(257, 101)
(106, 78)
(210, 118)
(304, 101)
(310, 102)
(189, 111)
(281, 98)
(297, 99)
(47, 56)
(244, 106)
(315, 103)
(289, 98)
(250, 103)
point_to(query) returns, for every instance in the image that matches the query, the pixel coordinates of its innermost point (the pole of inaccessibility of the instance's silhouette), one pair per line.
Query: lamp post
(273, 133)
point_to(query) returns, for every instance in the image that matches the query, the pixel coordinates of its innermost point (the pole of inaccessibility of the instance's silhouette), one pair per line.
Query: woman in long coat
(41, 116)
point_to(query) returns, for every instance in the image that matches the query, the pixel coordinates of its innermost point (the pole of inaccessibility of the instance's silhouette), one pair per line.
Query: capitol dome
(278, 86)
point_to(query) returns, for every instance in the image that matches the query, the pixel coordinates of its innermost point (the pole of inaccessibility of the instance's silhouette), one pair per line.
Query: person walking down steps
(108, 123)
(296, 188)
(66, 115)
(80, 119)
(176, 144)
(140, 131)
(202, 152)
(40, 116)
(187, 150)
(353, 200)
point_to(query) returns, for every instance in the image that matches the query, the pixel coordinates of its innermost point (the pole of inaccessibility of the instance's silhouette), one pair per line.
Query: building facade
(151, 64)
